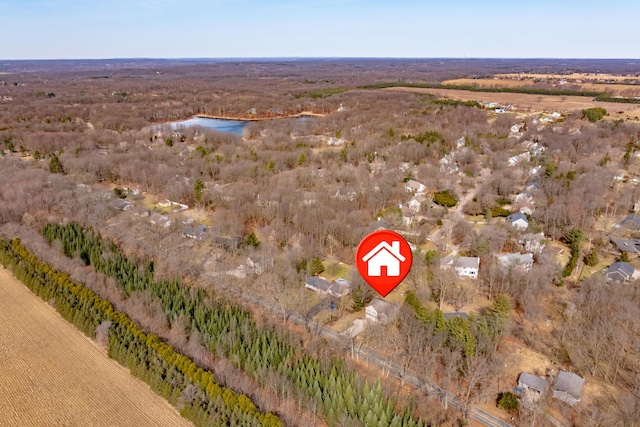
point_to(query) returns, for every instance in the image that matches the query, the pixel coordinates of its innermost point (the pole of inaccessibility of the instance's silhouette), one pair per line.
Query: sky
(80, 29)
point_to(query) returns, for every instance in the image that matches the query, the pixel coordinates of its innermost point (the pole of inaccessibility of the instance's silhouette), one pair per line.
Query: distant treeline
(170, 374)
(472, 88)
(598, 96)
(605, 97)
(228, 330)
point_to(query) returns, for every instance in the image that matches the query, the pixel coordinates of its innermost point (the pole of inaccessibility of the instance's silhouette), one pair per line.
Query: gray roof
(632, 221)
(516, 216)
(569, 383)
(384, 307)
(466, 262)
(620, 269)
(533, 382)
(121, 204)
(627, 245)
(447, 316)
(319, 283)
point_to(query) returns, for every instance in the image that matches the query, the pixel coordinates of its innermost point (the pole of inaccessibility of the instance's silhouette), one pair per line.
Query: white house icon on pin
(384, 255)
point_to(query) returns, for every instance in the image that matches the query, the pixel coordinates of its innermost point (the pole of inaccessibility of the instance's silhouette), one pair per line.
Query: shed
(568, 387)
(527, 381)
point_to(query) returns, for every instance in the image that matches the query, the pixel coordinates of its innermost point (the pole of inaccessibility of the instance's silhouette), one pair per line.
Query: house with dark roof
(619, 272)
(632, 222)
(568, 387)
(518, 220)
(194, 232)
(121, 204)
(627, 245)
(338, 289)
(527, 381)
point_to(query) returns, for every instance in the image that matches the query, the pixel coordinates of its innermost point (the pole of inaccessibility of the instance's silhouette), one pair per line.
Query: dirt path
(52, 375)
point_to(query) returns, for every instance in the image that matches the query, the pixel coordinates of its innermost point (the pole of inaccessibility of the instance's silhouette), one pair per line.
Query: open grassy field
(535, 104)
(52, 375)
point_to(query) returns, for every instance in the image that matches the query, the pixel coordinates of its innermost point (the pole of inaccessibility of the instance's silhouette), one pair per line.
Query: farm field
(617, 89)
(52, 375)
(534, 104)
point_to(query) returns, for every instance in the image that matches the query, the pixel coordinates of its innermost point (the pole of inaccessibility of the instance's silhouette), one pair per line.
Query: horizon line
(279, 58)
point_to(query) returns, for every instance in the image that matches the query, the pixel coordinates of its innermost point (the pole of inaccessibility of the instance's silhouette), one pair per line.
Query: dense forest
(104, 197)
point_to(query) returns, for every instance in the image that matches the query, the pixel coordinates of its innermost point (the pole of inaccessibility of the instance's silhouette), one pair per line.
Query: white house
(533, 242)
(415, 187)
(467, 266)
(518, 220)
(523, 262)
(381, 311)
(415, 204)
(384, 255)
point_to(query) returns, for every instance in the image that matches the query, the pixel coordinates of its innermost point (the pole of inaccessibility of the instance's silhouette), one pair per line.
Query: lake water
(221, 125)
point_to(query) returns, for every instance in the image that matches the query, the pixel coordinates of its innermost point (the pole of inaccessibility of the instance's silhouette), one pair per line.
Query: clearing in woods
(52, 375)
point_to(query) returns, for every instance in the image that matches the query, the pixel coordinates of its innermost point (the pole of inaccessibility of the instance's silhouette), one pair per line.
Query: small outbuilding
(568, 387)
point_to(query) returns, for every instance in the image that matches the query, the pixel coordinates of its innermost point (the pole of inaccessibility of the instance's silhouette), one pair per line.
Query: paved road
(375, 359)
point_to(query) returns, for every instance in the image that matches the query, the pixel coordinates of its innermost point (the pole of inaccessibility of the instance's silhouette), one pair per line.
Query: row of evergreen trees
(169, 373)
(477, 334)
(229, 331)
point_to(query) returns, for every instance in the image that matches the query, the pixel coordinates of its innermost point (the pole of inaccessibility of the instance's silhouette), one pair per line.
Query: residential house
(121, 204)
(338, 289)
(528, 382)
(515, 160)
(318, 284)
(568, 387)
(533, 242)
(384, 255)
(194, 232)
(467, 266)
(259, 264)
(532, 186)
(415, 187)
(632, 222)
(627, 245)
(381, 311)
(523, 197)
(619, 272)
(527, 209)
(518, 220)
(415, 204)
(523, 262)
(408, 215)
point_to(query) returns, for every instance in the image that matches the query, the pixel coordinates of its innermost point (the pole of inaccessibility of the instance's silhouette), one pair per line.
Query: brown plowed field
(535, 104)
(52, 375)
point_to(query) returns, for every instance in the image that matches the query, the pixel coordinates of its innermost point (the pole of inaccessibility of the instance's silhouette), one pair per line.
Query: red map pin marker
(383, 259)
